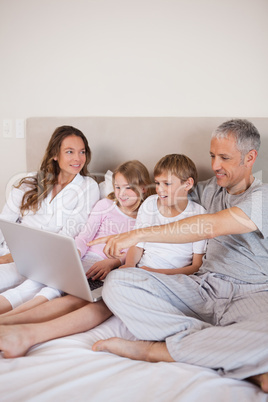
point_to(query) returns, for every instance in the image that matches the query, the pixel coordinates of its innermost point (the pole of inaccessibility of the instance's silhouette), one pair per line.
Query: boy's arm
(190, 269)
(133, 256)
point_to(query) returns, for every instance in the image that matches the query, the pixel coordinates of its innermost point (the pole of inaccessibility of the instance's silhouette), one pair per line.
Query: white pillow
(106, 186)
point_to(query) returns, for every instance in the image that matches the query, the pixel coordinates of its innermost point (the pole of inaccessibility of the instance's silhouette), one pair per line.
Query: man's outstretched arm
(195, 228)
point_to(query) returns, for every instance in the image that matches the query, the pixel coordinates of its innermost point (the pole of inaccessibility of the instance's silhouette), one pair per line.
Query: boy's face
(170, 189)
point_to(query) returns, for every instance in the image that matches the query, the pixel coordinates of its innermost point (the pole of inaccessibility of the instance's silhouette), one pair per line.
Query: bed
(66, 369)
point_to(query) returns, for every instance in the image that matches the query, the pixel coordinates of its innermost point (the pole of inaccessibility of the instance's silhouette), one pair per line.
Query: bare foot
(261, 380)
(135, 350)
(13, 342)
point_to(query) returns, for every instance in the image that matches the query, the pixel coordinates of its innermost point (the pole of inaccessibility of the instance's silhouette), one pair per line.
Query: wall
(129, 58)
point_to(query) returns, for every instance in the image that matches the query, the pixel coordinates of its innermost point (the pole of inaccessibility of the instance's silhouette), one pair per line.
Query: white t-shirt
(167, 255)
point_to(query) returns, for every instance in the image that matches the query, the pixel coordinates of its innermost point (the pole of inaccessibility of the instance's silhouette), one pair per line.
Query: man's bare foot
(261, 380)
(135, 350)
(14, 340)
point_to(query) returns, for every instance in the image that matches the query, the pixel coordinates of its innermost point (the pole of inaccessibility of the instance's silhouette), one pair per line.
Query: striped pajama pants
(207, 319)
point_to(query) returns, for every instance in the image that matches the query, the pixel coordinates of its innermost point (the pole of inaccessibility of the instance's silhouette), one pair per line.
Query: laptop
(49, 258)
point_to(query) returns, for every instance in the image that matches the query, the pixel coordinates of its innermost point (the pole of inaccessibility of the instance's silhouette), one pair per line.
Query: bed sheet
(66, 369)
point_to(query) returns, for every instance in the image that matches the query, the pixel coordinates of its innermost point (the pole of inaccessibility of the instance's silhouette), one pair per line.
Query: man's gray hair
(243, 131)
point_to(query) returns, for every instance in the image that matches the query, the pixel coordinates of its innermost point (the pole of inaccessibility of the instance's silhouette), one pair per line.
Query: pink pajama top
(105, 219)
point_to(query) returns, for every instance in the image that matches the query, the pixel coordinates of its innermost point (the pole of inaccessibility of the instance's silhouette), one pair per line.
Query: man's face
(228, 165)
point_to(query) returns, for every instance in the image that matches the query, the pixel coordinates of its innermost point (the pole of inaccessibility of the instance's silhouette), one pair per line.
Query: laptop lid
(49, 258)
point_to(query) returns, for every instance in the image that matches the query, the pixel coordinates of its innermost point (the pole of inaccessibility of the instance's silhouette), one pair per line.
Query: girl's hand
(100, 269)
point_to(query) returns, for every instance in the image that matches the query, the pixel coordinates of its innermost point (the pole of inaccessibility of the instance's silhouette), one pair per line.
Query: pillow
(106, 187)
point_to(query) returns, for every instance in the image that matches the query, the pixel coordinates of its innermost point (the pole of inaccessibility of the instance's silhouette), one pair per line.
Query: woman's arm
(6, 259)
(11, 209)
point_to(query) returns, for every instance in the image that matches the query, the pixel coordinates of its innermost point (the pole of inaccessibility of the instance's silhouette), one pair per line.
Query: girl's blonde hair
(137, 176)
(42, 183)
(179, 165)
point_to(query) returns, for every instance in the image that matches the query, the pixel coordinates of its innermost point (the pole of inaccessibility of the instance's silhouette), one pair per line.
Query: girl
(58, 198)
(115, 214)
(112, 215)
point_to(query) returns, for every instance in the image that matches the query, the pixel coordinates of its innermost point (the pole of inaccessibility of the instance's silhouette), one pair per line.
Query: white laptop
(49, 258)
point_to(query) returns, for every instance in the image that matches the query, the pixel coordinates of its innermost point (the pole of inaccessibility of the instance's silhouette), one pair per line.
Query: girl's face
(72, 156)
(126, 197)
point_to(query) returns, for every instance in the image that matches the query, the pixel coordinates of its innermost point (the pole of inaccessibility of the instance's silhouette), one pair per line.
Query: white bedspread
(67, 369)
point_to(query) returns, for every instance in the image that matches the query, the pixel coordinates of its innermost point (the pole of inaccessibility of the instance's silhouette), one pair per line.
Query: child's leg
(16, 340)
(42, 312)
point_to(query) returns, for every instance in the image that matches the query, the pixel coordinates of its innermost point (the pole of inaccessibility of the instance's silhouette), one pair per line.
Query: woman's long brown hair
(42, 183)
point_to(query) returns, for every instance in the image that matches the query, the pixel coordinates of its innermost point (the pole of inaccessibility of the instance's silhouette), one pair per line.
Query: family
(192, 257)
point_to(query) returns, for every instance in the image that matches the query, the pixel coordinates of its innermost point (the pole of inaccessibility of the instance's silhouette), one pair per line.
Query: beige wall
(129, 58)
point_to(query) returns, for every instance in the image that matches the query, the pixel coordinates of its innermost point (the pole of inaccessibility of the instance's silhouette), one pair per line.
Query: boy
(174, 175)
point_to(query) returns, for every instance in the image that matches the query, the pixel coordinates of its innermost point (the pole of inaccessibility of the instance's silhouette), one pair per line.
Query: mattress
(66, 369)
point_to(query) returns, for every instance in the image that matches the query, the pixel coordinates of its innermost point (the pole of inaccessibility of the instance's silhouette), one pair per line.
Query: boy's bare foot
(135, 350)
(14, 340)
(261, 380)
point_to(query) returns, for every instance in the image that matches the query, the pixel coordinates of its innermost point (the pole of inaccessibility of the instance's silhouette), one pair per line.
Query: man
(216, 318)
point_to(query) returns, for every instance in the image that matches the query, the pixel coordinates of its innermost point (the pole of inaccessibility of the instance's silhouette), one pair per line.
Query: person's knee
(109, 284)
(49, 293)
(114, 285)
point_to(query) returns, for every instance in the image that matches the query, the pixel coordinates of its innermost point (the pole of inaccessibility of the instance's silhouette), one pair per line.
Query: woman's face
(72, 156)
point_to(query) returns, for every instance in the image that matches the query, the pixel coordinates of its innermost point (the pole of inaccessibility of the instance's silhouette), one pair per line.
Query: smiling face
(127, 198)
(232, 171)
(71, 157)
(172, 193)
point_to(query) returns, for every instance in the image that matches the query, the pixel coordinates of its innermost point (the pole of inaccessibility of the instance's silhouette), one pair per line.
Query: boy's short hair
(179, 165)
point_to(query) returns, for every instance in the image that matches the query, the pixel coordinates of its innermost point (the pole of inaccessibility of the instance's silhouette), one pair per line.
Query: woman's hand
(6, 259)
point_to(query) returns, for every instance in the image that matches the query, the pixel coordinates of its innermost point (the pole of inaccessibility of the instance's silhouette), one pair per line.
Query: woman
(57, 198)
(69, 314)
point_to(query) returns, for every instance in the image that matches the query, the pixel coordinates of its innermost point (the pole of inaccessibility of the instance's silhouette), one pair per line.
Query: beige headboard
(114, 140)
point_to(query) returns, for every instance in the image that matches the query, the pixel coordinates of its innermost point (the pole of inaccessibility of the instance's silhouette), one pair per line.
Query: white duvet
(66, 369)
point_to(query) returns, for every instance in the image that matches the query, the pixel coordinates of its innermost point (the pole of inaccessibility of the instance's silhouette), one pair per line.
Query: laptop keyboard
(94, 284)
